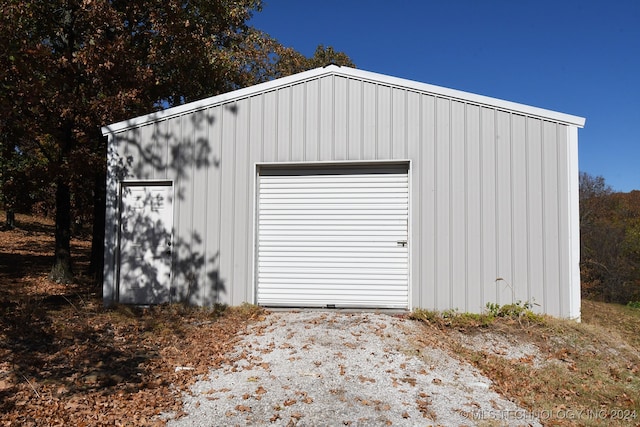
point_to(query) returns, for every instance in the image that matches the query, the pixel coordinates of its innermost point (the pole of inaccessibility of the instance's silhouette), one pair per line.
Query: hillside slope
(64, 359)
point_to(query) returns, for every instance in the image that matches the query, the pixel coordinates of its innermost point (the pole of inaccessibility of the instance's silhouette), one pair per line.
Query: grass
(519, 312)
(584, 373)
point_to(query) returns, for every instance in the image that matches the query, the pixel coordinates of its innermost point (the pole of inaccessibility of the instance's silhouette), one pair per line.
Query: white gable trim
(463, 96)
(348, 73)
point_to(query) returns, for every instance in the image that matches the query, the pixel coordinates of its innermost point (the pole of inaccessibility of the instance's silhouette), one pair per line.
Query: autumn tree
(69, 66)
(609, 241)
(289, 61)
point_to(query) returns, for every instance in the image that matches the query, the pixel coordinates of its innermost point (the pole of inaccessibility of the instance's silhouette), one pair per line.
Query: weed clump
(519, 311)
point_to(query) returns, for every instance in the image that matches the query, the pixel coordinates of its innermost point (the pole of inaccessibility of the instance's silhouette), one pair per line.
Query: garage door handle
(402, 243)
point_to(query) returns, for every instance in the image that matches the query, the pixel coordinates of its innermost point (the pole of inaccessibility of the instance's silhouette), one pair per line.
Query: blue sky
(579, 57)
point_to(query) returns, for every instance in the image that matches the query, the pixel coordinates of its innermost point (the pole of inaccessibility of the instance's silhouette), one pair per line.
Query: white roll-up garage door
(333, 237)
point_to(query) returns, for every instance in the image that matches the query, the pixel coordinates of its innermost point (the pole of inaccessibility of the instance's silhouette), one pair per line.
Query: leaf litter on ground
(67, 360)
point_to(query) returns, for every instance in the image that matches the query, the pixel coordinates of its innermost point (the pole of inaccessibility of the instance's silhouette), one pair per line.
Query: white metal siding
(493, 184)
(331, 238)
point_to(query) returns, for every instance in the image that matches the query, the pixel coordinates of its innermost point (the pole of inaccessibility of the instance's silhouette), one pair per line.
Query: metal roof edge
(215, 100)
(345, 72)
(462, 95)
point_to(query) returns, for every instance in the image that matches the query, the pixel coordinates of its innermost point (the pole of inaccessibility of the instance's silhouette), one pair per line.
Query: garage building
(339, 187)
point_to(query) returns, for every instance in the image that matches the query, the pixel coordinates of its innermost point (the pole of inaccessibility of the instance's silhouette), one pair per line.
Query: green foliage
(508, 310)
(634, 304)
(518, 311)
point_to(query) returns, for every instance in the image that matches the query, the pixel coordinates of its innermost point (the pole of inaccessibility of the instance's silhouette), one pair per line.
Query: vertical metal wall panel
(564, 255)
(270, 127)
(298, 122)
(327, 119)
(504, 229)
(398, 124)
(341, 119)
(414, 142)
(383, 122)
(520, 207)
(458, 208)
(535, 229)
(200, 216)
(242, 181)
(473, 290)
(227, 202)
(255, 155)
(369, 115)
(426, 200)
(181, 159)
(550, 220)
(442, 203)
(413, 125)
(492, 190)
(159, 150)
(283, 129)
(216, 289)
(135, 155)
(488, 213)
(355, 121)
(312, 122)
(145, 161)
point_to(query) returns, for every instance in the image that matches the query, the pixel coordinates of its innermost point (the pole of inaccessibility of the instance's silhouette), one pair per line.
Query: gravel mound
(333, 369)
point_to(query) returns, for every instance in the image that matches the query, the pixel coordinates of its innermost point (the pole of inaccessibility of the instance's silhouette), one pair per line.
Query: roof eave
(463, 96)
(214, 100)
(349, 73)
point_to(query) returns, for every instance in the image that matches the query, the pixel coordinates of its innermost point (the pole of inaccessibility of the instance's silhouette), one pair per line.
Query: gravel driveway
(315, 368)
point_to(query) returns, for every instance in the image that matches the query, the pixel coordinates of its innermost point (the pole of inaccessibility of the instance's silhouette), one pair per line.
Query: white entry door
(146, 222)
(334, 237)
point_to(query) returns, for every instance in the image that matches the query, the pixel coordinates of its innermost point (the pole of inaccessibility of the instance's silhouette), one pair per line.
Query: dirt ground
(66, 360)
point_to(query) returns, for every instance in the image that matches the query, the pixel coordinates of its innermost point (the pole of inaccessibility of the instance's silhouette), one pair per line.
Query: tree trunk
(11, 219)
(97, 240)
(61, 271)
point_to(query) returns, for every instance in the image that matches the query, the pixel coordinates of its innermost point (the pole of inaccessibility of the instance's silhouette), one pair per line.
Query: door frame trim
(118, 250)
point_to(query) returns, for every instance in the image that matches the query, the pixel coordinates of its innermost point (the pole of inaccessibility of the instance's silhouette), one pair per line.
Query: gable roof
(347, 72)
